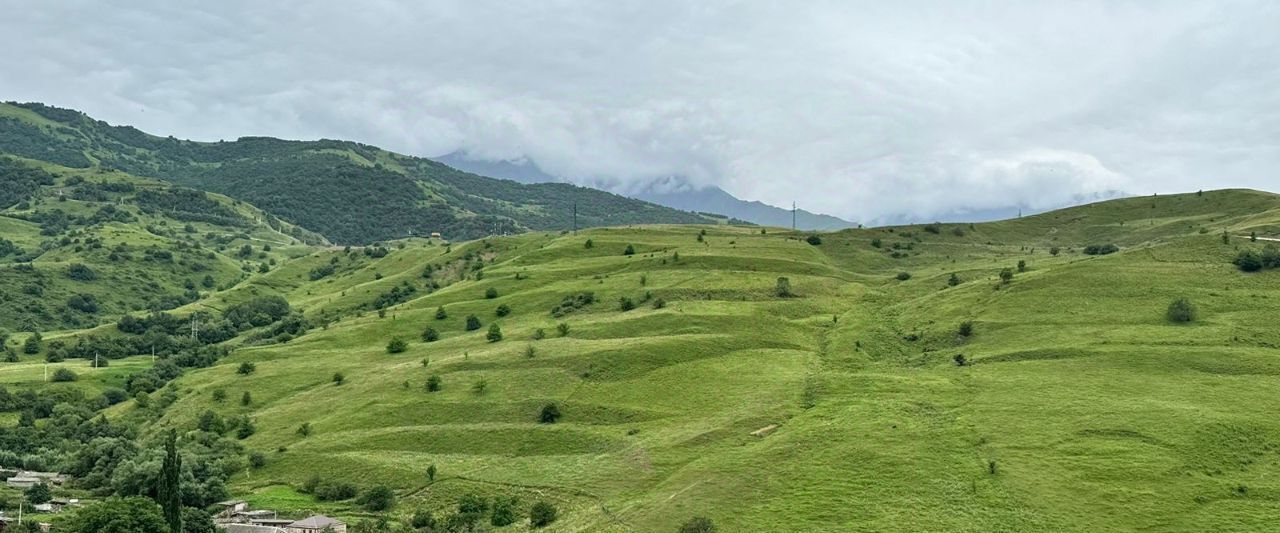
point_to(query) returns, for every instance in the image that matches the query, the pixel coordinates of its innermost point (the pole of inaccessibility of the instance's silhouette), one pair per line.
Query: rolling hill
(1020, 375)
(349, 192)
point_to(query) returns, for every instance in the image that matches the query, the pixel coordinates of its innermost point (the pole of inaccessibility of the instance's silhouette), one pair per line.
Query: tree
(33, 344)
(589, 244)
(219, 395)
(626, 303)
(423, 520)
(1181, 311)
(39, 493)
(502, 310)
(1054, 251)
(397, 345)
(433, 383)
(377, 498)
(903, 276)
(168, 490)
(246, 399)
(431, 473)
(1248, 261)
(338, 378)
(495, 333)
(1022, 265)
(814, 240)
(563, 329)
(197, 521)
(473, 322)
(1253, 236)
(479, 386)
(210, 422)
(441, 314)
(430, 335)
(542, 514)
(257, 459)
(79, 272)
(953, 280)
(1006, 275)
(783, 288)
(631, 250)
(245, 428)
(64, 375)
(698, 524)
(960, 359)
(119, 515)
(965, 329)
(550, 414)
(491, 293)
(246, 368)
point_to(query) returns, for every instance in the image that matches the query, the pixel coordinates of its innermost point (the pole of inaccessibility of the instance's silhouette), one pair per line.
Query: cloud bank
(865, 110)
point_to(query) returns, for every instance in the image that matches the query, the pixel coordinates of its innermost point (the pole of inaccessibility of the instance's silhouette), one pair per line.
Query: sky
(864, 110)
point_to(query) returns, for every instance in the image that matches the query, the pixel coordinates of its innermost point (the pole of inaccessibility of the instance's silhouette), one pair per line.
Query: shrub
(960, 359)
(659, 303)
(563, 329)
(327, 491)
(1006, 275)
(504, 512)
(573, 302)
(379, 498)
(631, 250)
(1101, 249)
(965, 329)
(473, 322)
(63, 375)
(626, 303)
(876, 242)
(33, 344)
(246, 399)
(257, 459)
(783, 288)
(539, 334)
(245, 429)
(479, 386)
(1054, 251)
(39, 493)
(79, 272)
(246, 368)
(304, 430)
(903, 276)
(431, 473)
(502, 310)
(430, 335)
(1248, 261)
(441, 314)
(494, 334)
(934, 228)
(338, 378)
(953, 280)
(550, 414)
(433, 383)
(1181, 311)
(491, 293)
(542, 514)
(397, 345)
(1022, 265)
(698, 524)
(814, 240)
(589, 244)
(423, 520)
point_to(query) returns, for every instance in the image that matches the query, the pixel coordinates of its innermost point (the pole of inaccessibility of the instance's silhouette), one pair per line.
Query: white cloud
(864, 110)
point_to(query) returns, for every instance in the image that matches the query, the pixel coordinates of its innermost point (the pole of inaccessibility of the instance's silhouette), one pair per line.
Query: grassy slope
(1098, 415)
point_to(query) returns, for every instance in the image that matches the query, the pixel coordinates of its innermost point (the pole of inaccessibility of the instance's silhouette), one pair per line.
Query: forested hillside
(349, 192)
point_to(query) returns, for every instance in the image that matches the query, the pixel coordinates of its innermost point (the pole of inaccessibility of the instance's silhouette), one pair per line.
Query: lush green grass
(1095, 412)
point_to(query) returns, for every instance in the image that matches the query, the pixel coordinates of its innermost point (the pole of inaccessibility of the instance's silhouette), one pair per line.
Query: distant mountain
(349, 192)
(676, 193)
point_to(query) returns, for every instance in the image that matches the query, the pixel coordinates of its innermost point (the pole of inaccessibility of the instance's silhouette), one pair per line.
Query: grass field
(1081, 407)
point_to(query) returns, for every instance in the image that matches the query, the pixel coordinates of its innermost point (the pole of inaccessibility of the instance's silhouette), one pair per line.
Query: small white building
(23, 482)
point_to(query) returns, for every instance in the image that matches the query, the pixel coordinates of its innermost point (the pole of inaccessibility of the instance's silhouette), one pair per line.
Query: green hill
(1021, 375)
(896, 384)
(349, 192)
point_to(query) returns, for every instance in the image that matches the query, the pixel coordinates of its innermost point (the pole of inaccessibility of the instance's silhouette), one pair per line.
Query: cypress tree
(167, 493)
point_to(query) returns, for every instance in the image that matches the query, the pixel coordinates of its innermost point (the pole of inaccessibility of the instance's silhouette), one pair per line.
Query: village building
(316, 524)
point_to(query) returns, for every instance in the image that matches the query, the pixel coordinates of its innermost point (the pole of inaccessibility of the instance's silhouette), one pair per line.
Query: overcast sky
(858, 109)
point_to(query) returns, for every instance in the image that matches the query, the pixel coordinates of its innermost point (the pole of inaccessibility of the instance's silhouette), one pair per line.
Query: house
(231, 507)
(22, 482)
(316, 524)
(436, 235)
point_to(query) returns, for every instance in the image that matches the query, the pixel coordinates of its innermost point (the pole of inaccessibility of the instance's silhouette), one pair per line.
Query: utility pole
(793, 216)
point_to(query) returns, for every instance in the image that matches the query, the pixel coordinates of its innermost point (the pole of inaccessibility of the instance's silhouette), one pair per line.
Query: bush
(433, 383)
(953, 280)
(1101, 249)
(542, 514)
(563, 329)
(876, 242)
(246, 368)
(397, 345)
(1054, 251)
(39, 493)
(1181, 311)
(1022, 265)
(326, 491)
(504, 512)
(698, 524)
(965, 329)
(960, 359)
(783, 287)
(550, 414)
(502, 310)
(1248, 261)
(631, 250)
(814, 240)
(626, 303)
(257, 459)
(379, 498)
(79, 272)
(589, 244)
(494, 334)
(338, 378)
(903, 276)
(1006, 275)
(491, 293)
(441, 314)
(63, 375)
(430, 335)
(473, 322)
(423, 520)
